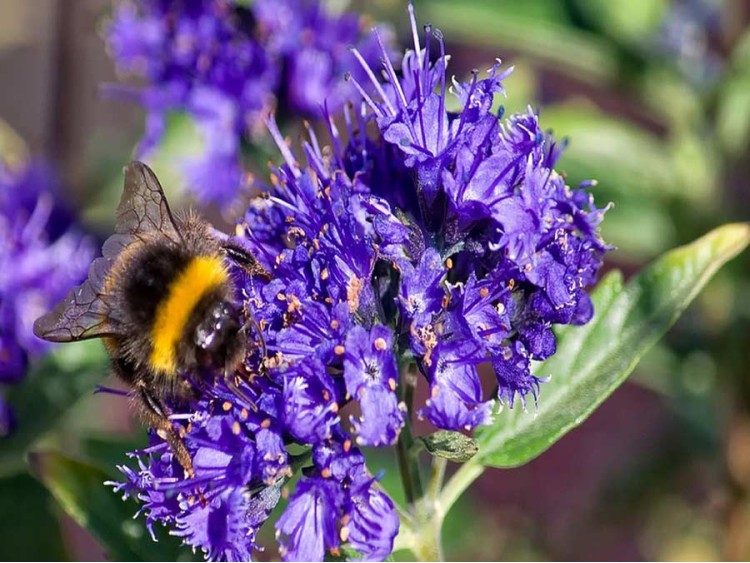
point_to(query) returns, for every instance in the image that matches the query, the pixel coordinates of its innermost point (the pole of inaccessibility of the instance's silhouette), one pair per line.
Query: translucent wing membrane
(87, 311)
(143, 207)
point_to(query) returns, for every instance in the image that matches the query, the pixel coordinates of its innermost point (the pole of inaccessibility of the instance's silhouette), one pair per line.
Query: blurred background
(654, 96)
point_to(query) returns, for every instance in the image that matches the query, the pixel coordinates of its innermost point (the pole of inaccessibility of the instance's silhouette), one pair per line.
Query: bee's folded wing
(143, 207)
(86, 312)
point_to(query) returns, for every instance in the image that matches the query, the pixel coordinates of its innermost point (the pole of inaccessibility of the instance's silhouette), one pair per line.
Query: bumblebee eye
(220, 325)
(204, 337)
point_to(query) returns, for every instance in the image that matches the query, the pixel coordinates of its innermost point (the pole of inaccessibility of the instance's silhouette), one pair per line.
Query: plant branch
(457, 484)
(407, 462)
(438, 475)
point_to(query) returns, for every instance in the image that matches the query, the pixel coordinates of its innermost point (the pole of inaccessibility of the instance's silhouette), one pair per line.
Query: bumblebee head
(216, 336)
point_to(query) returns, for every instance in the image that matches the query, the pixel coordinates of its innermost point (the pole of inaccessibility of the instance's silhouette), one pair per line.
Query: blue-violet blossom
(439, 242)
(41, 255)
(225, 63)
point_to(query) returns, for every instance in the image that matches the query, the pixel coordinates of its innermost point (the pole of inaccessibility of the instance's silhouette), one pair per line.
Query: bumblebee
(162, 299)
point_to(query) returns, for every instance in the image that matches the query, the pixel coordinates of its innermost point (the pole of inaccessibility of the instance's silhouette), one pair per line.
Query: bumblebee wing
(143, 209)
(85, 312)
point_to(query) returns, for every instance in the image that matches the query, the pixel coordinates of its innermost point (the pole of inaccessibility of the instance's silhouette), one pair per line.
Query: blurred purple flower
(684, 37)
(226, 65)
(41, 256)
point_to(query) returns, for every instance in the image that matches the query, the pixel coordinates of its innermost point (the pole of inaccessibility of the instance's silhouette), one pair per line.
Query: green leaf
(532, 28)
(55, 385)
(733, 114)
(453, 446)
(593, 360)
(612, 149)
(79, 489)
(633, 22)
(26, 517)
(107, 451)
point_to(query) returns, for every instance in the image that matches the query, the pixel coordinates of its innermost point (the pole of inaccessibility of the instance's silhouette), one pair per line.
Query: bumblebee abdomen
(201, 277)
(162, 286)
(146, 275)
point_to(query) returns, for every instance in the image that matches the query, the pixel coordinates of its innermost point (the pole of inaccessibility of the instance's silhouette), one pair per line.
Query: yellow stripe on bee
(202, 274)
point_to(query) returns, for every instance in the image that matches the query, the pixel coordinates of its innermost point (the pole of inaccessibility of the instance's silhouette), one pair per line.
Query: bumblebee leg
(229, 379)
(155, 414)
(251, 321)
(237, 251)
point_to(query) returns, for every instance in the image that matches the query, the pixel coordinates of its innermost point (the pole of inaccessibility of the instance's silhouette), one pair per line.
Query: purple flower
(519, 246)
(684, 38)
(338, 503)
(423, 238)
(226, 64)
(239, 463)
(308, 527)
(451, 228)
(41, 256)
(371, 376)
(310, 409)
(372, 522)
(422, 291)
(455, 390)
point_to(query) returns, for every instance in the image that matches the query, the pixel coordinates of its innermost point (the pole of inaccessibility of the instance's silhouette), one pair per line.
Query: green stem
(421, 532)
(425, 536)
(465, 476)
(438, 474)
(405, 540)
(404, 466)
(426, 541)
(408, 463)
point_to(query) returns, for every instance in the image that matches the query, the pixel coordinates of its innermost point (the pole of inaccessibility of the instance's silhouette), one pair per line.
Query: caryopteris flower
(225, 63)
(439, 242)
(41, 256)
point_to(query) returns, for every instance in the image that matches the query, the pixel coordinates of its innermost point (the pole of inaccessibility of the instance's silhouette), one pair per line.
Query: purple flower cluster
(445, 240)
(448, 240)
(225, 63)
(41, 256)
(241, 466)
(684, 37)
